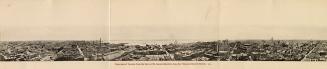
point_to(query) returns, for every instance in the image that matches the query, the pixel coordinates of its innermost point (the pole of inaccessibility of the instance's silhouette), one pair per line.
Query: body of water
(154, 42)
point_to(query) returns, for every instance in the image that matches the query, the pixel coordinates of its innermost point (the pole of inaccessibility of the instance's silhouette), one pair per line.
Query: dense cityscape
(224, 50)
(53, 51)
(220, 50)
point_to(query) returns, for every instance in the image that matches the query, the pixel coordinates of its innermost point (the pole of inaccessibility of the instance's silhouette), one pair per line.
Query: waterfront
(229, 50)
(172, 50)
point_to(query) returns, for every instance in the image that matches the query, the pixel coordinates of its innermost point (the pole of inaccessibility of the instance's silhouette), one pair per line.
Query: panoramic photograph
(163, 30)
(218, 30)
(221, 50)
(54, 30)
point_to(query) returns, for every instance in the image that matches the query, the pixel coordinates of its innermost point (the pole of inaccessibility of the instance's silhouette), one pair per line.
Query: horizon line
(213, 39)
(53, 40)
(159, 39)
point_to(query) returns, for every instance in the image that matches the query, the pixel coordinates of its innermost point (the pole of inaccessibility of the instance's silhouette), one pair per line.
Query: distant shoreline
(168, 40)
(51, 40)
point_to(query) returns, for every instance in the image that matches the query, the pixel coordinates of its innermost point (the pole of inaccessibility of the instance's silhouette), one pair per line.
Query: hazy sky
(54, 19)
(218, 19)
(281, 19)
(163, 19)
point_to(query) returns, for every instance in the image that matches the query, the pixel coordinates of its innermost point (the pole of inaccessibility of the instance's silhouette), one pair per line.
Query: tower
(217, 46)
(100, 42)
(175, 42)
(101, 51)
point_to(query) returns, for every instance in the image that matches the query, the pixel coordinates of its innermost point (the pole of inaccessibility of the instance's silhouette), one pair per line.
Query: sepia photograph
(54, 30)
(163, 30)
(161, 34)
(218, 30)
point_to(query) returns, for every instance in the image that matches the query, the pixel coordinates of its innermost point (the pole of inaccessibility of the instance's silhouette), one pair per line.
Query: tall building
(0, 36)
